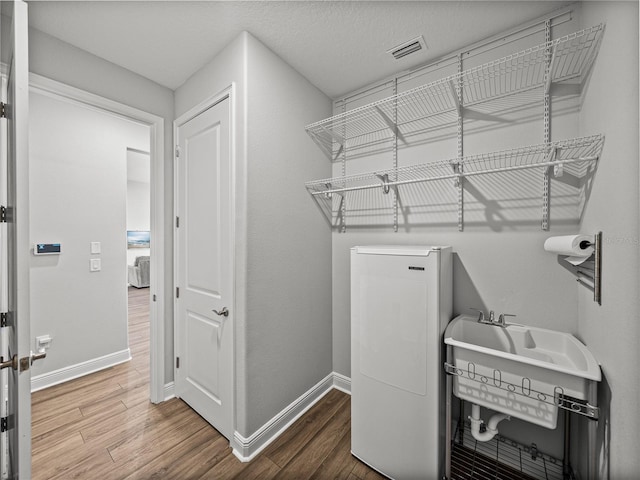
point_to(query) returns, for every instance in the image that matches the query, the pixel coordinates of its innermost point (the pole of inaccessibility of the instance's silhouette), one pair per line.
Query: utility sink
(523, 371)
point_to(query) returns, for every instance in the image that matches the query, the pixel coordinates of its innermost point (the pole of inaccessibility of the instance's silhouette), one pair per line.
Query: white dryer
(401, 303)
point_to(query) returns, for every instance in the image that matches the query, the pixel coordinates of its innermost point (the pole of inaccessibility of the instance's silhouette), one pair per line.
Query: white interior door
(204, 303)
(17, 449)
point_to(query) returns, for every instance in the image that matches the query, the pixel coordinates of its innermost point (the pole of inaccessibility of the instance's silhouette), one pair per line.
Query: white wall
(60, 61)
(138, 199)
(288, 328)
(612, 331)
(78, 188)
(282, 312)
(137, 205)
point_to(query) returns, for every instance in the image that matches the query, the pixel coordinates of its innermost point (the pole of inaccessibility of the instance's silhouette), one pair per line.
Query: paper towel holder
(596, 275)
(585, 244)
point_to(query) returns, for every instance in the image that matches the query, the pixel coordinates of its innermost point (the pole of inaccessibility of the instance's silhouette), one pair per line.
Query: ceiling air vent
(408, 48)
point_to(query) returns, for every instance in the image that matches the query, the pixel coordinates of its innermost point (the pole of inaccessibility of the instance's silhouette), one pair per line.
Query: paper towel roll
(578, 247)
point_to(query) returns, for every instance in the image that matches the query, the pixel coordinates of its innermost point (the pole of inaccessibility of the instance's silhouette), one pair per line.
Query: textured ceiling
(338, 45)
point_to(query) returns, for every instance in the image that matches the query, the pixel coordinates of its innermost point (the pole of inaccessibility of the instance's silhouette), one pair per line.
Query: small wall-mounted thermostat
(46, 249)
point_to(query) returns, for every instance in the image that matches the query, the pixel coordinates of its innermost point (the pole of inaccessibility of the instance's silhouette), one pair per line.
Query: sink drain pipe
(492, 426)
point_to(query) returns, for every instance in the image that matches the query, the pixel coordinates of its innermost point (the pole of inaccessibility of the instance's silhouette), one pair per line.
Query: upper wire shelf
(438, 104)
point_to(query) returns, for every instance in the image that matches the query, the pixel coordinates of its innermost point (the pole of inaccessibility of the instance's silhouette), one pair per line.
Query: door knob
(224, 312)
(24, 362)
(37, 356)
(13, 363)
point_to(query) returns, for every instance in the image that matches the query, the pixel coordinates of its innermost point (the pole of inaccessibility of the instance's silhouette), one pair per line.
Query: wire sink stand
(500, 459)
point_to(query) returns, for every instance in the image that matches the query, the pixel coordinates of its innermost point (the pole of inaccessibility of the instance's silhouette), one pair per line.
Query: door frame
(226, 93)
(43, 85)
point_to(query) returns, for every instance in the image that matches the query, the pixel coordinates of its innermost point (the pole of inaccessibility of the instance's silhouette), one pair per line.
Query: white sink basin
(518, 370)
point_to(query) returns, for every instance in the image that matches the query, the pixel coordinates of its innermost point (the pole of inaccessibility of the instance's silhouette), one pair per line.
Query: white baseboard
(342, 383)
(247, 448)
(169, 391)
(49, 379)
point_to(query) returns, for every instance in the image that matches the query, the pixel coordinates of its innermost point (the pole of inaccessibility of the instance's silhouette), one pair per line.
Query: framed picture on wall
(138, 238)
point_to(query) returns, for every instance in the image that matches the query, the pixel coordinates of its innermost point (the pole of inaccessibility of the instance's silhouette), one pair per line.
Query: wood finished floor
(102, 426)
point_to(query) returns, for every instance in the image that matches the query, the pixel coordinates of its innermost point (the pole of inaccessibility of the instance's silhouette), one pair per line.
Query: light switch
(95, 265)
(95, 247)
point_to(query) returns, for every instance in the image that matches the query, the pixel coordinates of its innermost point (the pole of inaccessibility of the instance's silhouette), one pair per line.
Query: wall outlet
(95, 247)
(95, 265)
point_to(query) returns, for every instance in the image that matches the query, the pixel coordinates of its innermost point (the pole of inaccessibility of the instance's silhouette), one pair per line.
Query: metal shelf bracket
(385, 182)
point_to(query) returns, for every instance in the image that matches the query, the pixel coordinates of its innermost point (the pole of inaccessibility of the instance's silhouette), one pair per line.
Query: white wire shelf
(570, 157)
(437, 104)
(500, 459)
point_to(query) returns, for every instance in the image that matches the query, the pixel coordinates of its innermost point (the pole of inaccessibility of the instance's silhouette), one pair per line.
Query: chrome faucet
(481, 318)
(500, 322)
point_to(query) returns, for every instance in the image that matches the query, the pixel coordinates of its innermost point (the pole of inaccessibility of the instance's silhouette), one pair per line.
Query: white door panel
(204, 336)
(15, 55)
(202, 355)
(202, 208)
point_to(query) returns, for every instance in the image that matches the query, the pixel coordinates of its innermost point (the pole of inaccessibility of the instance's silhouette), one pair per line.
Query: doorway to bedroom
(93, 167)
(138, 256)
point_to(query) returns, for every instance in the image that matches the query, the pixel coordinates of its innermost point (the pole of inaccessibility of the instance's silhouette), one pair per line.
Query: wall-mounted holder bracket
(391, 124)
(592, 277)
(558, 170)
(385, 182)
(336, 137)
(575, 405)
(339, 152)
(386, 186)
(458, 169)
(558, 166)
(548, 75)
(456, 98)
(589, 273)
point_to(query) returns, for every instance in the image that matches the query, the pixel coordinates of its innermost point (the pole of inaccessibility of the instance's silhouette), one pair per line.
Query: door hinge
(6, 423)
(177, 292)
(177, 362)
(177, 152)
(177, 222)
(3, 110)
(4, 319)
(154, 297)
(3, 214)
